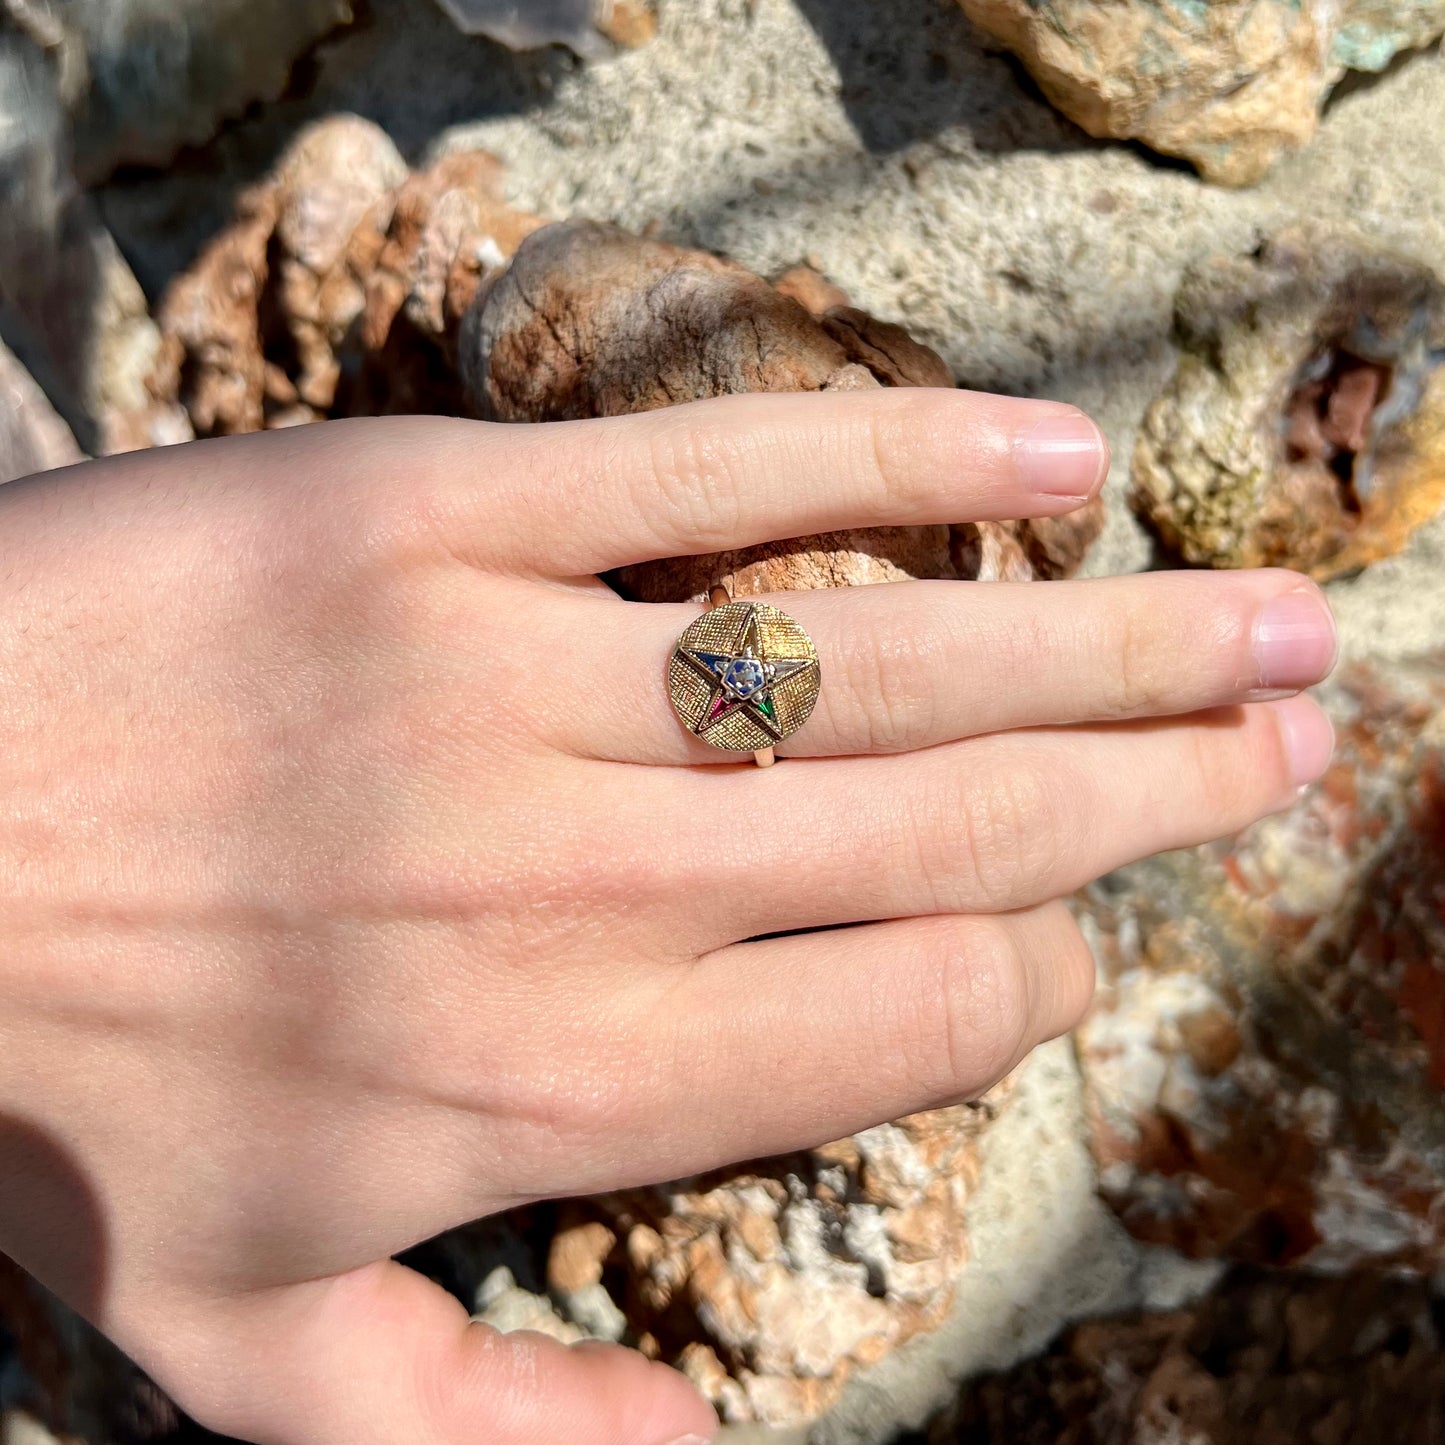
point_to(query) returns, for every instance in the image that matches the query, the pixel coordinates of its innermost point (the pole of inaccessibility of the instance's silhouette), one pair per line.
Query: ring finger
(910, 665)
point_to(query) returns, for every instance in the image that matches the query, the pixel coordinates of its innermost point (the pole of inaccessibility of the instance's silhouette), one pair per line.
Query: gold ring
(743, 677)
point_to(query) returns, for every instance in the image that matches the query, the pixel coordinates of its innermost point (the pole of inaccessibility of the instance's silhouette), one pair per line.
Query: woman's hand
(357, 879)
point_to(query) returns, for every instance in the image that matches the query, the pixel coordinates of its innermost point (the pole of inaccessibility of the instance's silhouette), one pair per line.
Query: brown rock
(592, 321)
(449, 233)
(886, 350)
(1266, 1359)
(213, 358)
(1265, 1064)
(1228, 84)
(339, 288)
(1305, 425)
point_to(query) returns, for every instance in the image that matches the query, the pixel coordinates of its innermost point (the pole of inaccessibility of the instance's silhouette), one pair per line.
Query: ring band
(743, 677)
(721, 597)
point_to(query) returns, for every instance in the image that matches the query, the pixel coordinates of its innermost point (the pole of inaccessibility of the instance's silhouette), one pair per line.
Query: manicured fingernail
(1063, 454)
(1309, 739)
(1294, 640)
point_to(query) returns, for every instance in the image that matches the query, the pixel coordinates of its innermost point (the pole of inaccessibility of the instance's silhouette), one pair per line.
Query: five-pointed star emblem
(743, 678)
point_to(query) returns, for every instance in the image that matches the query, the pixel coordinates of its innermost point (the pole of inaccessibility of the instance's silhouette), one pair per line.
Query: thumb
(382, 1356)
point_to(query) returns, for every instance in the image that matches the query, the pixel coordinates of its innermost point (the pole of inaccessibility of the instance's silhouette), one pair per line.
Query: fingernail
(690, 1440)
(1063, 454)
(1294, 640)
(1308, 736)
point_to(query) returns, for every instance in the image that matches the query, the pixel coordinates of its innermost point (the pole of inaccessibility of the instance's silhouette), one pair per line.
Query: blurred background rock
(1217, 1213)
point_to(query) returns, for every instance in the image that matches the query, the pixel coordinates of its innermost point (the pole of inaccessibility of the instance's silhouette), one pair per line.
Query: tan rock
(811, 290)
(1228, 84)
(1305, 425)
(576, 1256)
(770, 1286)
(1266, 1060)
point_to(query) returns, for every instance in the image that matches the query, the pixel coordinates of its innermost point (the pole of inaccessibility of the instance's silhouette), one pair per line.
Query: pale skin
(356, 879)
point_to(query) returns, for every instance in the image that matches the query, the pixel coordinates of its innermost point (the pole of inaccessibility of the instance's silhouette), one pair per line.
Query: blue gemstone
(744, 676)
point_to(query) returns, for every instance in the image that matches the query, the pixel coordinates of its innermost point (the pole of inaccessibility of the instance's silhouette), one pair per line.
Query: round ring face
(743, 677)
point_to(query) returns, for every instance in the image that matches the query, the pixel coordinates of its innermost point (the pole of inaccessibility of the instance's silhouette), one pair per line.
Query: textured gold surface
(722, 630)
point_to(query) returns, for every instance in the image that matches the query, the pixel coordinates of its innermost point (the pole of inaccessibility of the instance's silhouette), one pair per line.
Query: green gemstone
(765, 706)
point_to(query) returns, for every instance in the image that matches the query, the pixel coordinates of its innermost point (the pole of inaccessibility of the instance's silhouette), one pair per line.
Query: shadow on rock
(913, 69)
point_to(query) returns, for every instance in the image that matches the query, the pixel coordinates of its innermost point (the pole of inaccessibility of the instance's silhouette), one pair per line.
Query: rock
(18, 1427)
(812, 291)
(1305, 425)
(450, 232)
(582, 25)
(769, 1286)
(69, 305)
(32, 437)
(338, 289)
(590, 320)
(144, 78)
(62, 1381)
(1230, 84)
(1264, 1359)
(1265, 1063)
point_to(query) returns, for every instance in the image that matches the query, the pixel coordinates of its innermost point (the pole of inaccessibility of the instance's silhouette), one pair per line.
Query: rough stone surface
(1227, 84)
(1268, 1359)
(590, 320)
(69, 305)
(143, 78)
(583, 25)
(33, 438)
(768, 1286)
(1265, 1063)
(1305, 425)
(338, 289)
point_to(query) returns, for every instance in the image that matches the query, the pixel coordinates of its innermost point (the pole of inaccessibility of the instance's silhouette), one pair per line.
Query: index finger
(571, 498)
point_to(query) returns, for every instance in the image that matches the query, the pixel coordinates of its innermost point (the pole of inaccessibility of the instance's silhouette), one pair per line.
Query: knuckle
(893, 710)
(1007, 832)
(1132, 685)
(895, 436)
(975, 1010)
(689, 485)
(405, 500)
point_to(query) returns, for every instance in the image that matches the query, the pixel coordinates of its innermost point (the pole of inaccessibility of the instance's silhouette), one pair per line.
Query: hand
(358, 880)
